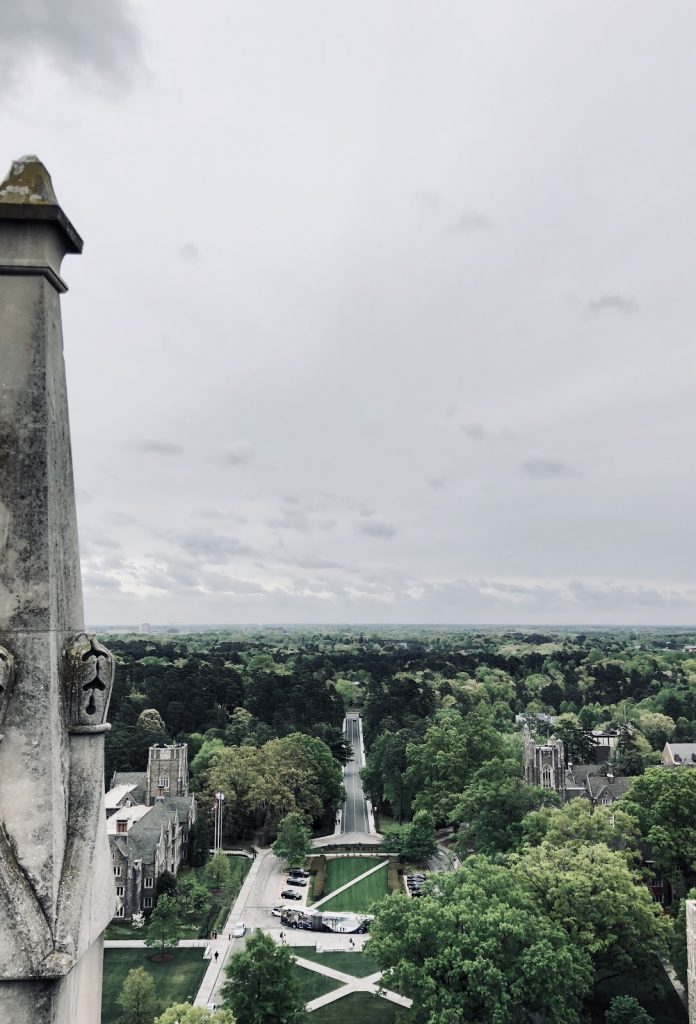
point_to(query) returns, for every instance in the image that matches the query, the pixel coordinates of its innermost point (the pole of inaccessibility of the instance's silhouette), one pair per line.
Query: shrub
(318, 864)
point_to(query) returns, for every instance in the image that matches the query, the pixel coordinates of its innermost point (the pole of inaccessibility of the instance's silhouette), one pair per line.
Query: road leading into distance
(354, 817)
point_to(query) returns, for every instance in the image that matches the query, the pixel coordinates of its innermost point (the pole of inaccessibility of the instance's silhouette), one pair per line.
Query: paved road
(354, 817)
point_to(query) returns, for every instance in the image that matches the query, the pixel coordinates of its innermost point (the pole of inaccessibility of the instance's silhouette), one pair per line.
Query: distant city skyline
(385, 311)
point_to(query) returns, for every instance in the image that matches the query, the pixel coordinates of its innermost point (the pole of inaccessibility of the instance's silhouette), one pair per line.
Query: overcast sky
(386, 311)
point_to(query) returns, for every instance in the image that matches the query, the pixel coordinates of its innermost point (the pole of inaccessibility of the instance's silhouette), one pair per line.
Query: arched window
(546, 777)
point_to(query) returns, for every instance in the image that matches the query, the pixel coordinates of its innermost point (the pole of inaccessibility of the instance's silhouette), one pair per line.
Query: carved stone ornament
(6, 681)
(89, 677)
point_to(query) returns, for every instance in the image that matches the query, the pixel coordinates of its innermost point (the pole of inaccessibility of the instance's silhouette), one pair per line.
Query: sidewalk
(223, 944)
(350, 984)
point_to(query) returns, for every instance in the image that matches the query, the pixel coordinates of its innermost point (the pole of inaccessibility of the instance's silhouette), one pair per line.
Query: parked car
(298, 873)
(238, 930)
(279, 911)
(296, 881)
(290, 894)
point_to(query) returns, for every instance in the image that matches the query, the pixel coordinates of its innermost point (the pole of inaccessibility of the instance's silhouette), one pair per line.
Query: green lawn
(359, 1006)
(342, 870)
(176, 981)
(362, 895)
(313, 985)
(357, 964)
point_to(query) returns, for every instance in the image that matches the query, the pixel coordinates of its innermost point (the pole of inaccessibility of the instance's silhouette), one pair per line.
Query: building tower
(544, 763)
(167, 771)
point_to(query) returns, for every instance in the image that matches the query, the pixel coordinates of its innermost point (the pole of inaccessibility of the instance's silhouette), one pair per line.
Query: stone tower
(56, 880)
(544, 763)
(167, 771)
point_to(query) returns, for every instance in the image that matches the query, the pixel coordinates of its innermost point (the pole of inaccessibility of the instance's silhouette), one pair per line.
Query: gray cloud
(469, 223)
(189, 252)
(427, 199)
(308, 519)
(474, 430)
(612, 304)
(538, 468)
(237, 455)
(78, 36)
(222, 514)
(151, 446)
(376, 528)
(214, 548)
(311, 562)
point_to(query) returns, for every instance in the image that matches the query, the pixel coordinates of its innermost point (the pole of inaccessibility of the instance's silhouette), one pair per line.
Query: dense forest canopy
(437, 703)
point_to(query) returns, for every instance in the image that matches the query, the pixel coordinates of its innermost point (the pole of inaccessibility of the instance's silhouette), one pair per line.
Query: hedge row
(317, 866)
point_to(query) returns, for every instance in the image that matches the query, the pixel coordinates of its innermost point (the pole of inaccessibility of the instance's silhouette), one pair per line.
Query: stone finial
(27, 194)
(28, 181)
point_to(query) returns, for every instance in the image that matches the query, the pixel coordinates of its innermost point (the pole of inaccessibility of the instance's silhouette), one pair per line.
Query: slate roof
(113, 798)
(144, 834)
(601, 787)
(682, 753)
(136, 779)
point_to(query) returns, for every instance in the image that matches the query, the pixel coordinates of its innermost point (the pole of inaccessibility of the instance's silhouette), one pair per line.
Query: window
(119, 912)
(147, 902)
(546, 779)
(117, 870)
(149, 883)
(119, 890)
(163, 782)
(122, 825)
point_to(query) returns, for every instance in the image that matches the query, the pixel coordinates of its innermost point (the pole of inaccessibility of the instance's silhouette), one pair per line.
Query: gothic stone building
(149, 815)
(544, 765)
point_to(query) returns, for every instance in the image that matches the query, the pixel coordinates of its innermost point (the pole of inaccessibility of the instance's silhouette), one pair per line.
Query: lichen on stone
(28, 181)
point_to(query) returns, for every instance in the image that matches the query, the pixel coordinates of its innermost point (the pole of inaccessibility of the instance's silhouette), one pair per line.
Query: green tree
(294, 840)
(192, 897)
(261, 987)
(679, 953)
(453, 748)
(591, 892)
(217, 871)
(466, 952)
(627, 1010)
(384, 774)
(579, 743)
(493, 806)
(150, 729)
(164, 929)
(198, 843)
(166, 884)
(414, 842)
(579, 823)
(138, 998)
(184, 1013)
(664, 804)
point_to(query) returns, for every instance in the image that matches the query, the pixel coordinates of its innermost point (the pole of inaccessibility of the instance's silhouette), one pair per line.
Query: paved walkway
(214, 977)
(349, 885)
(350, 984)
